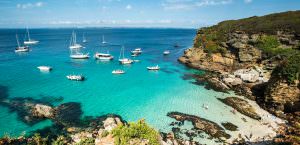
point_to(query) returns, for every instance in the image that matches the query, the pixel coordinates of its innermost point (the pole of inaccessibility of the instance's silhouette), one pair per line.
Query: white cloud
(30, 5)
(190, 4)
(128, 7)
(247, 1)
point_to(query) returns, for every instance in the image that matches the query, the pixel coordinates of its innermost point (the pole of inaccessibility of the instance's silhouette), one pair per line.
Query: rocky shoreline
(262, 66)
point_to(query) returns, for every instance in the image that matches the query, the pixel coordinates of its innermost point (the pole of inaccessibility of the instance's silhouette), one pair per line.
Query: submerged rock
(207, 126)
(241, 106)
(229, 126)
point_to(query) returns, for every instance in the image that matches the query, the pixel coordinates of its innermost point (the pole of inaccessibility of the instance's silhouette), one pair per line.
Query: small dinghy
(134, 55)
(153, 67)
(76, 77)
(166, 52)
(44, 68)
(118, 71)
(137, 51)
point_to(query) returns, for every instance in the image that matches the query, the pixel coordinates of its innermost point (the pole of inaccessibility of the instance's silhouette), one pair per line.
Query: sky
(133, 13)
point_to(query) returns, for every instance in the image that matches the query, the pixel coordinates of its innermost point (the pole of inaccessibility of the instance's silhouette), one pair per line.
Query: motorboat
(118, 71)
(30, 41)
(80, 56)
(122, 58)
(73, 43)
(75, 77)
(136, 51)
(103, 56)
(21, 48)
(153, 67)
(166, 52)
(44, 68)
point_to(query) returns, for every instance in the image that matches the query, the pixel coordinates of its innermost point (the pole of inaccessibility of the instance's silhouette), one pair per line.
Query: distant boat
(137, 51)
(103, 41)
(21, 48)
(118, 71)
(76, 54)
(80, 55)
(166, 52)
(73, 43)
(122, 58)
(153, 67)
(75, 77)
(30, 41)
(44, 68)
(103, 56)
(83, 38)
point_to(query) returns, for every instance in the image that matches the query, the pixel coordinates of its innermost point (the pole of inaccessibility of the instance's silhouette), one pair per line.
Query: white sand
(265, 129)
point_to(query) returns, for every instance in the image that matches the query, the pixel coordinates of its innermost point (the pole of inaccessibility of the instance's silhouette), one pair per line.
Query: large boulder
(40, 110)
(249, 54)
(247, 75)
(110, 123)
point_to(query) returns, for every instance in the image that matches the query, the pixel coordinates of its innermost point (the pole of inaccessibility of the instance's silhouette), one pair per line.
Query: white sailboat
(30, 41)
(83, 39)
(73, 43)
(21, 48)
(75, 54)
(103, 41)
(122, 58)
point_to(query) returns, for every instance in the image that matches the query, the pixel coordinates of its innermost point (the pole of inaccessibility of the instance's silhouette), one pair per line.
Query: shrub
(140, 130)
(87, 141)
(289, 69)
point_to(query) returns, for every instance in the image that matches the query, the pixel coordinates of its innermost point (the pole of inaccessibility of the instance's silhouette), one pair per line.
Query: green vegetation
(87, 141)
(209, 41)
(289, 69)
(140, 130)
(60, 140)
(38, 140)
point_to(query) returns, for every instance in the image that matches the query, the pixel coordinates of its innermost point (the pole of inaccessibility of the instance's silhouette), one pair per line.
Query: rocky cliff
(258, 57)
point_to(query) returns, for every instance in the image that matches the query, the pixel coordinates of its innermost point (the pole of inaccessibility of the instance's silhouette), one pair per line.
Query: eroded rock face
(207, 126)
(282, 97)
(110, 123)
(241, 106)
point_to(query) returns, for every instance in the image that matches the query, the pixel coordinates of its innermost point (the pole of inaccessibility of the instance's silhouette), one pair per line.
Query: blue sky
(133, 13)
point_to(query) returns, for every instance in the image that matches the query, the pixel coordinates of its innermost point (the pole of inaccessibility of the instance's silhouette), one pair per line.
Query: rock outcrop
(241, 106)
(207, 126)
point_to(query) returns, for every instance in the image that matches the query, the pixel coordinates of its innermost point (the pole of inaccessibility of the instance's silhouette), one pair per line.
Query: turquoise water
(134, 95)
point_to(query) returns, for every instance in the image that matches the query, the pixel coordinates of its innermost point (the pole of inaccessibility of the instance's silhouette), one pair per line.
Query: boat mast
(18, 40)
(121, 52)
(28, 34)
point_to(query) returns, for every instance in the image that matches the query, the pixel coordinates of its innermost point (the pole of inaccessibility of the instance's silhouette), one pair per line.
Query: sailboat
(83, 39)
(30, 41)
(103, 56)
(122, 58)
(75, 54)
(103, 41)
(73, 43)
(21, 48)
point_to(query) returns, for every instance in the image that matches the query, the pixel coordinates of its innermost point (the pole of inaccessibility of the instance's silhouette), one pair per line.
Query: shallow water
(137, 94)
